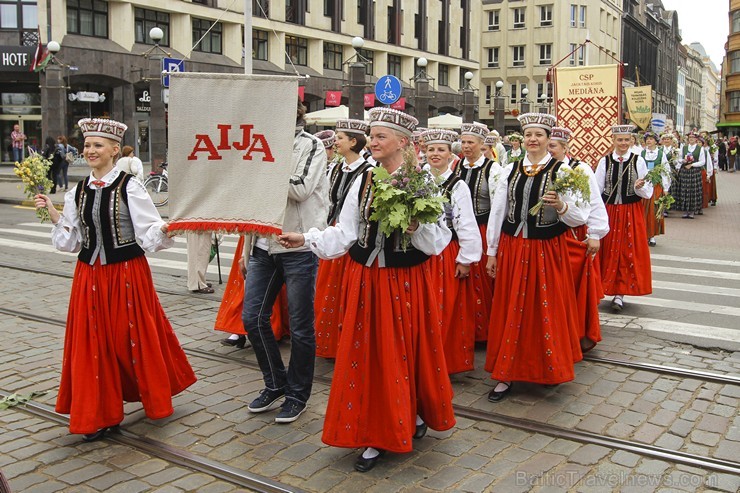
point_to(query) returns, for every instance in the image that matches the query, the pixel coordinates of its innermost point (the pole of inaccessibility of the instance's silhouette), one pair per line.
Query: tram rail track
(180, 457)
(585, 437)
(707, 376)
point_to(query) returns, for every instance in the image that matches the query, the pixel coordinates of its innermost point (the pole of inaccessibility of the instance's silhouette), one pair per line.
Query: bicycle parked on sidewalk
(157, 186)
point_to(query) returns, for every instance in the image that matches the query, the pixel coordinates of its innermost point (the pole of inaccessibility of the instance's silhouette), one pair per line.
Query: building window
(545, 15)
(572, 60)
(493, 20)
(145, 20)
(493, 57)
(512, 94)
(394, 65)
(296, 50)
(15, 14)
(488, 94)
(518, 56)
(87, 18)
(443, 75)
(211, 42)
(573, 15)
(582, 18)
(519, 17)
(582, 55)
(733, 102)
(295, 11)
(545, 54)
(735, 62)
(259, 44)
(261, 8)
(333, 56)
(370, 57)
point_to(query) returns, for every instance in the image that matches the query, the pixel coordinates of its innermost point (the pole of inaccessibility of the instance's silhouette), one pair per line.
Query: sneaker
(290, 411)
(652, 242)
(267, 400)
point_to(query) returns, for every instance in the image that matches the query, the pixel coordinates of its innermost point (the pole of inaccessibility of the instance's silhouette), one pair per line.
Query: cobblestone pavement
(211, 419)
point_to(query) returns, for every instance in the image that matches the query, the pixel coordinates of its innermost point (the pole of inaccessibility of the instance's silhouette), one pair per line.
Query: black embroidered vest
(619, 182)
(339, 184)
(107, 230)
(372, 244)
(523, 193)
(477, 181)
(446, 188)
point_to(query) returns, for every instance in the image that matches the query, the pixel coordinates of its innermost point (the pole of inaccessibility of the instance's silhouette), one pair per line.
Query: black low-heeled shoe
(494, 396)
(237, 343)
(421, 430)
(364, 465)
(93, 437)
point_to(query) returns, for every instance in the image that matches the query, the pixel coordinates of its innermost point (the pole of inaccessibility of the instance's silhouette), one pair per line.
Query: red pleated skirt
(653, 226)
(483, 291)
(329, 305)
(118, 346)
(624, 253)
(390, 364)
(533, 335)
(229, 317)
(587, 283)
(457, 307)
(706, 189)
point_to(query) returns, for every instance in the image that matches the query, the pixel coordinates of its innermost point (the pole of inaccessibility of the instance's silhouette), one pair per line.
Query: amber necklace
(532, 170)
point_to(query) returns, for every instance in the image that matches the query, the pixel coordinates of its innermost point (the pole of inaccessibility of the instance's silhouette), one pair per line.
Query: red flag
(301, 92)
(41, 58)
(369, 100)
(333, 98)
(400, 104)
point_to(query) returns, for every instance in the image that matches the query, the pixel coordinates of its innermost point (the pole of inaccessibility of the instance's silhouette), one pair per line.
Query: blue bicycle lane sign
(388, 89)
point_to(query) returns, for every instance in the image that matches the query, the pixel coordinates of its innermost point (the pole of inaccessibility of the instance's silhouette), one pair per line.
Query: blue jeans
(17, 154)
(266, 275)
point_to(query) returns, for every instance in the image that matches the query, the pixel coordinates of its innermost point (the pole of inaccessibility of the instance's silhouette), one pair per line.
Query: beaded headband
(476, 129)
(102, 127)
(351, 126)
(539, 120)
(394, 119)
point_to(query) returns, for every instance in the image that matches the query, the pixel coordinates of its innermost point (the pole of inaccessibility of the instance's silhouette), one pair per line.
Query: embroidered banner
(588, 102)
(400, 104)
(640, 105)
(369, 100)
(230, 151)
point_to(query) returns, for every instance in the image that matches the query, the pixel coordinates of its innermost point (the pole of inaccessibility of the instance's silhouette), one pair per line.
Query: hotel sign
(16, 58)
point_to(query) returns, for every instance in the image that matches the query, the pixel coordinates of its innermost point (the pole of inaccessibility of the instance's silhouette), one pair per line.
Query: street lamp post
(498, 109)
(421, 86)
(157, 126)
(53, 95)
(468, 99)
(356, 99)
(525, 101)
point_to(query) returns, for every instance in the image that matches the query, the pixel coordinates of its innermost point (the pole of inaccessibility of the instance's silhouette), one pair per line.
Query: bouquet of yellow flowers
(409, 193)
(568, 180)
(33, 173)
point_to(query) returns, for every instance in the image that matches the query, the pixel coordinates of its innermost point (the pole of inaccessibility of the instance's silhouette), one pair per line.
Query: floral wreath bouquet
(33, 173)
(409, 193)
(655, 175)
(568, 181)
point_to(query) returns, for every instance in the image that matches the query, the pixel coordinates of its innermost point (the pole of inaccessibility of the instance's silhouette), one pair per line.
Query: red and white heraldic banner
(230, 151)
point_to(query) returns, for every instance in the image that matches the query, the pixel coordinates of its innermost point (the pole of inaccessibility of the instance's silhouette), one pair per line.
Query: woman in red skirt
(655, 156)
(390, 380)
(330, 285)
(452, 267)
(625, 255)
(583, 244)
(119, 345)
(533, 332)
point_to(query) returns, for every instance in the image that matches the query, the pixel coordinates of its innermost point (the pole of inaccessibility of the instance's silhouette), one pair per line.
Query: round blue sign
(388, 89)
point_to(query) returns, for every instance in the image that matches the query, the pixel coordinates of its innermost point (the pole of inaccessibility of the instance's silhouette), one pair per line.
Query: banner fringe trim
(224, 227)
